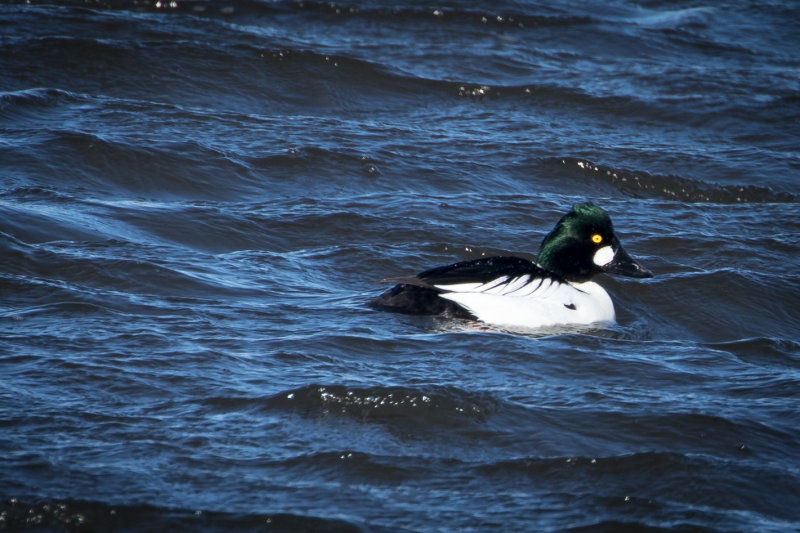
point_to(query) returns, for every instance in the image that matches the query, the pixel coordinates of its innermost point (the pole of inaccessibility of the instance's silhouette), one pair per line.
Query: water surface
(197, 199)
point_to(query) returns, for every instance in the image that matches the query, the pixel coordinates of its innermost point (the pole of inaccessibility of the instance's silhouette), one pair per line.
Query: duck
(508, 291)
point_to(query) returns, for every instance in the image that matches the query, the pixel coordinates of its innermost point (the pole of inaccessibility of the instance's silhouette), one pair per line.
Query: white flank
(510, 302)
(603, 256)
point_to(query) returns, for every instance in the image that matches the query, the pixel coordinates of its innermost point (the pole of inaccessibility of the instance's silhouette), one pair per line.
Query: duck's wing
(467, 289)
(515, 292)
(492, 275)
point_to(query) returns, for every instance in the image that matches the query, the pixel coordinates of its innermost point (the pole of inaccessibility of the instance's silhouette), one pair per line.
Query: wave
(113, 166)
(36, 103)
(643, 479)
(641, 184)
(287, 70)
(80, 515)
(508, 16)
(763, 351)
(439, 405)
(501, 16)
(728, 291)
(250, 42)
(103, 275)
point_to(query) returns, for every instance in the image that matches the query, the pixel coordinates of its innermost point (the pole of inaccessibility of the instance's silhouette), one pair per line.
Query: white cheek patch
(603, 256)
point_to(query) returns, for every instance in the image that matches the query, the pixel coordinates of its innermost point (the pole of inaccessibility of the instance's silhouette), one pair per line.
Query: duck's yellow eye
(597, 238)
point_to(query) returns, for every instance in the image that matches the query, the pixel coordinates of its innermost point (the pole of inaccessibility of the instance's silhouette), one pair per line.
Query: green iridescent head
(583, 244)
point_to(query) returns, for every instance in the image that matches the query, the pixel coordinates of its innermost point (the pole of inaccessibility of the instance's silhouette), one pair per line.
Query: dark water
(196, 200)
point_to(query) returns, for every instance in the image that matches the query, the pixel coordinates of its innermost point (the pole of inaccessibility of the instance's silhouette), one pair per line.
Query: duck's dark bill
(624, 265)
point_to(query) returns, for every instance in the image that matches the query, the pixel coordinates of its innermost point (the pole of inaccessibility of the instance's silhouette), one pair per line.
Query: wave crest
(440, 405)
(640, 184)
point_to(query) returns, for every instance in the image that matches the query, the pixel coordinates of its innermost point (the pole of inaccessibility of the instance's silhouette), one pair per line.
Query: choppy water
(196, 200)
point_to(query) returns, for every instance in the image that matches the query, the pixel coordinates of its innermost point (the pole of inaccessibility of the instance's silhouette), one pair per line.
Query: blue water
(198, 198)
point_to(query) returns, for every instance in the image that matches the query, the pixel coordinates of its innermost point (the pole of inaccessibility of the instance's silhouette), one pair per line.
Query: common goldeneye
(515, 292)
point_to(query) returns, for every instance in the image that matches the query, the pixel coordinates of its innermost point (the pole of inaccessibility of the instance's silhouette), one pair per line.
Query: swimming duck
(515, 292)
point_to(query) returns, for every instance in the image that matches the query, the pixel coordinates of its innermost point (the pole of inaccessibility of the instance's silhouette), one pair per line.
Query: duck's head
(583, 244)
